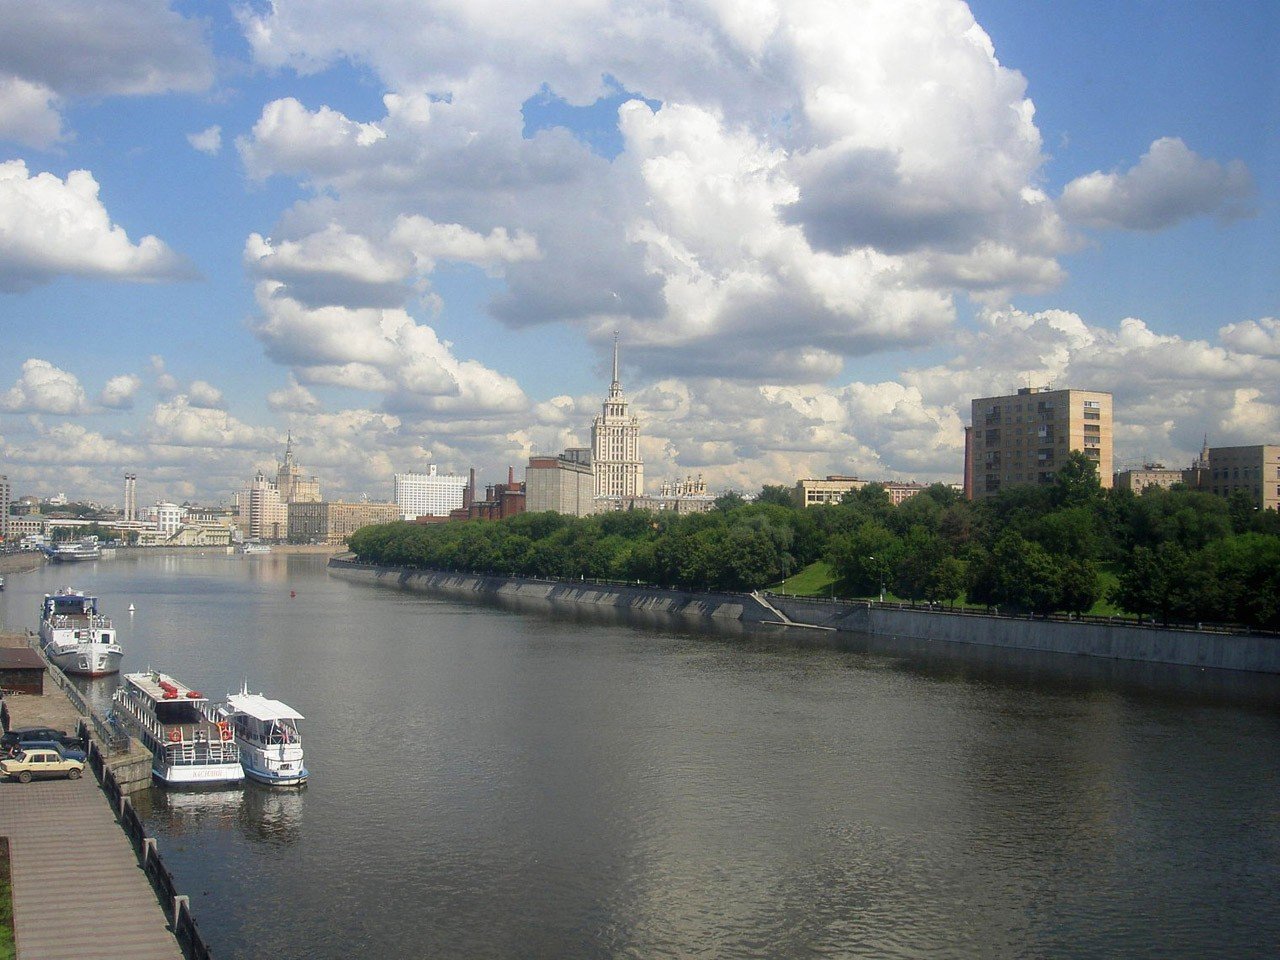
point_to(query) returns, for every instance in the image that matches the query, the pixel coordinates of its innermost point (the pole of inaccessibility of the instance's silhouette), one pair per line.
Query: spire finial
(615, 358)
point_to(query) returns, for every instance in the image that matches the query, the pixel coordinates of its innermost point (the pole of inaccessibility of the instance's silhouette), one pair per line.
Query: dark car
(13, 738)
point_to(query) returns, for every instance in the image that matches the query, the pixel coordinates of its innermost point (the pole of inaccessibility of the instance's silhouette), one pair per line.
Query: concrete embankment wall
(720, 606)
(1111, 641)
(21, 562)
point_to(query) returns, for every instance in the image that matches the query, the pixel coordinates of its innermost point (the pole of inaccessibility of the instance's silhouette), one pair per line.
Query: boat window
(106, 638)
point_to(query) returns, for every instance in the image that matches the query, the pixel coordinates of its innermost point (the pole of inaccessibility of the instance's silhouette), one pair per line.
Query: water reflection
(498, 780)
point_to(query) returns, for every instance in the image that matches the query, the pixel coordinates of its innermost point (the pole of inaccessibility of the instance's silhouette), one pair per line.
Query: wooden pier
(79, 892)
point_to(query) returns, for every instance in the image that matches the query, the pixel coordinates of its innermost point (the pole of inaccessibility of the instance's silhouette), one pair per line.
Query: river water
(493, 782)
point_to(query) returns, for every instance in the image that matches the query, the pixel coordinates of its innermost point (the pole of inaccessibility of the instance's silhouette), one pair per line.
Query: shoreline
(1241, 653)
(23, 561)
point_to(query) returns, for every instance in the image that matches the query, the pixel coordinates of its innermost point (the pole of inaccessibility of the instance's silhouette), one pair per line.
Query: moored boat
(76, 637)
(266, 731)
(86, 548)
(252, 547)
(188, 745)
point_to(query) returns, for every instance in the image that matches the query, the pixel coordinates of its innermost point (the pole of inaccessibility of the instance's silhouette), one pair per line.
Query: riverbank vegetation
(1174, 555)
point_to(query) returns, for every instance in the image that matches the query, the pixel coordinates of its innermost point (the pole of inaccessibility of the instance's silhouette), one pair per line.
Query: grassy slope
(817, 580)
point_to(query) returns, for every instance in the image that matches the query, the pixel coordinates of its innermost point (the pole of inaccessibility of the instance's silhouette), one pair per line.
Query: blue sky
(819, 229)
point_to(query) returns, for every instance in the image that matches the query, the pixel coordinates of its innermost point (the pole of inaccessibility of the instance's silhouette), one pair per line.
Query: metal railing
(116, 740)
(177, 907)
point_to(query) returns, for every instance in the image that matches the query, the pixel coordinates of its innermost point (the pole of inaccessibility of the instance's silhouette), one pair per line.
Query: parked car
(68, 753)
(41, 763)
(15, 738)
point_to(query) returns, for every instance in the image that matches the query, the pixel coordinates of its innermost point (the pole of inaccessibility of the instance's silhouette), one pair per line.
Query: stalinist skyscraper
(615, 444)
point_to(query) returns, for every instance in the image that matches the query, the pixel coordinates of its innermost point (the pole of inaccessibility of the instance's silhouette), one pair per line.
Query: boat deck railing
(79, 621)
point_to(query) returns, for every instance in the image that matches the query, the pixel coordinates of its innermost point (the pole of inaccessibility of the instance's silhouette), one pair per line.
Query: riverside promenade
(78, 891)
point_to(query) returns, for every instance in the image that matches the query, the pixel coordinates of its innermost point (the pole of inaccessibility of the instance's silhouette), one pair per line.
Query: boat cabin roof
(262, 708)
(149, 684)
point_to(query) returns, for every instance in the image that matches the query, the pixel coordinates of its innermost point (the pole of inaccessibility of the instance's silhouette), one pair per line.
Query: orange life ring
(225, 728)
(175, 736)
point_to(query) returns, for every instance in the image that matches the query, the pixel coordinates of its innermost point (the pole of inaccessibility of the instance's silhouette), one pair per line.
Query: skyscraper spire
(615, 388)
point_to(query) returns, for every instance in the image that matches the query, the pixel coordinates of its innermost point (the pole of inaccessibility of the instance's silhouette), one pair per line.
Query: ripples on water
(499, 782)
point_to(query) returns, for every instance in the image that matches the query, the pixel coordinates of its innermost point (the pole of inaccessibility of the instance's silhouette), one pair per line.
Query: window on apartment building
(1092, 404)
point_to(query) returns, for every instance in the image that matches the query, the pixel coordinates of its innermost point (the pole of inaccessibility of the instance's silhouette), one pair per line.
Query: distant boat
(131, 608)
(251, 548)
(86, 548)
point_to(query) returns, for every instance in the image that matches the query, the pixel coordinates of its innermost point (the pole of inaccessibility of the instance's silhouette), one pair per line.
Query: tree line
(1176, 555)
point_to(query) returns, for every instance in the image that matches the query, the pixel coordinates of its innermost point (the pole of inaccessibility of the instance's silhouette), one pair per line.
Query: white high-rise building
(131, 496)
(615, 444)
(262, 514)
(429, 494)
(6, 492)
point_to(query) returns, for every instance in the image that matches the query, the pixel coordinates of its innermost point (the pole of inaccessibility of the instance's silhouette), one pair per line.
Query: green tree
(777, 494)
(946, 580)
(1076, 484)
(729, 500)
(1153, 582)
(920, 554)
(865, 558)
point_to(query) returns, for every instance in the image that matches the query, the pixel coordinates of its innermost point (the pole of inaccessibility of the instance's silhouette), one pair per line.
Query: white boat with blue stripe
(266, 731)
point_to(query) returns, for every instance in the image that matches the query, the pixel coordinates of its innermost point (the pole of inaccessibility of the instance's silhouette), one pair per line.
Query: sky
(408, 230)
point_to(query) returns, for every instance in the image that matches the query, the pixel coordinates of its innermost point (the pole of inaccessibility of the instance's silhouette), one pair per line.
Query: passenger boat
(76, 637)
(252, 548)
(189, 747)
(85, 548)
(266, 731)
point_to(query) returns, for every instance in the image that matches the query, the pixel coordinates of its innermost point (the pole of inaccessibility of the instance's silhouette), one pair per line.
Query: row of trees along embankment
(1175, 555)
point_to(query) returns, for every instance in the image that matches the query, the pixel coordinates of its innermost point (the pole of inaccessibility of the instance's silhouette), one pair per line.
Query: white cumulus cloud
(120, 391)
(44, 388)
(1168, 185)
(202, 394)
(51, 227)
(208, 140)
(29, 113)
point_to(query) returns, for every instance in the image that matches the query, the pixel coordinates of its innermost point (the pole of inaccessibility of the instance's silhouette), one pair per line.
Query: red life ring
(225, 729)
(175, 736)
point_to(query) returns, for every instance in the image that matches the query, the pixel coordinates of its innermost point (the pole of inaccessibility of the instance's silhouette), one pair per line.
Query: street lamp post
(881, 572)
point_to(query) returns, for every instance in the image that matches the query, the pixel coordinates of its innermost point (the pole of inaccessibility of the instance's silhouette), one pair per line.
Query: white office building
(167, 517)
(615, 444)
(429, 494)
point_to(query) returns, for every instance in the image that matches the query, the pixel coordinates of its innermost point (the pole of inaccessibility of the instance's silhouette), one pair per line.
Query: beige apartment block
(831, 490)
(562, 484)
(335, 521)
(1151, 475)
(1255, 470)
(1023, 438)
(900, 492)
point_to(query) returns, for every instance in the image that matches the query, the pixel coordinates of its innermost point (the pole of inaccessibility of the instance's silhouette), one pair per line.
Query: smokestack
(470, 493)
(511, 477)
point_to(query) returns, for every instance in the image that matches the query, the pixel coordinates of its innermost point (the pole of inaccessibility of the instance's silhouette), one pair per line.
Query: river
(492, 782)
